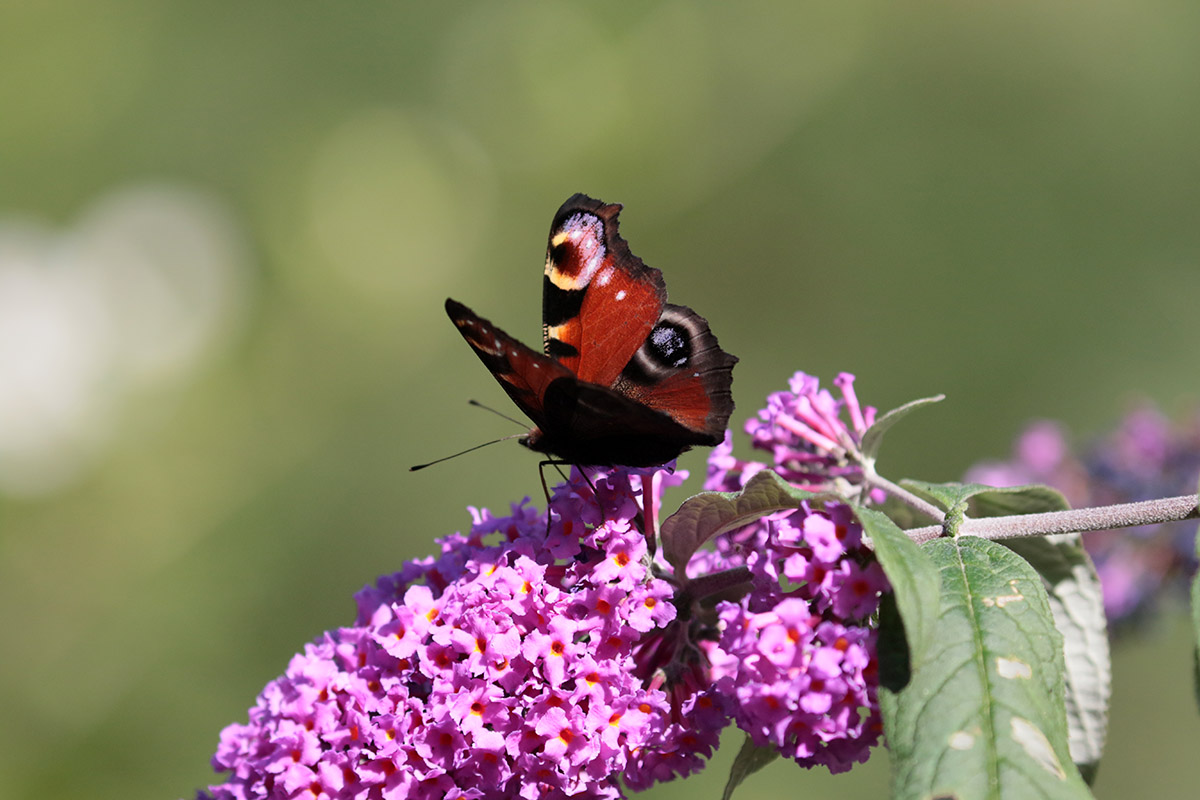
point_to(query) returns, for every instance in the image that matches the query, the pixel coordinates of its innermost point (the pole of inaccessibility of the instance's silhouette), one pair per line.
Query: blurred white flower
(127, 303)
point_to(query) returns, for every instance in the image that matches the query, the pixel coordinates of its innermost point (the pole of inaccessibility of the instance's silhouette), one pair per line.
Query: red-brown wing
(680, 370)
(599, 301)
(591, 424)
(523, 372)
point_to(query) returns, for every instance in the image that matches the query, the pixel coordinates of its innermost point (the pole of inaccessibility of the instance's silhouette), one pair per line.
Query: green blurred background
(227, 229)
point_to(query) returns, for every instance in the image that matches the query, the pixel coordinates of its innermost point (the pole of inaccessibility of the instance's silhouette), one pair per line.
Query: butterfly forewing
(599, 301)
(522, 371)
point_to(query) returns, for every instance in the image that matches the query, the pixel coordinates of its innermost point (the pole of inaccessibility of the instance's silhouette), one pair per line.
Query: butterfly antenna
(464, 452)
(478, 404)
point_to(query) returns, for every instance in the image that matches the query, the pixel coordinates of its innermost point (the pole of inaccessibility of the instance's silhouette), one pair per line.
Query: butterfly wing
(606, 318)
(599, 301)
(523, 372)
(590, 424)
(681, 371)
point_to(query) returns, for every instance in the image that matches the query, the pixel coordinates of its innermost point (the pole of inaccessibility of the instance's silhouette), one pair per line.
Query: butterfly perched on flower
(626, 378)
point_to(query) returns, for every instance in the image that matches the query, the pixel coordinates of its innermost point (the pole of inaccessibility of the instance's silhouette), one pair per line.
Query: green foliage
(947, 495)
(1073, 594)
(990, 501)
(1076, 601)
(1033, 499)
(982, 716)
(914, 581)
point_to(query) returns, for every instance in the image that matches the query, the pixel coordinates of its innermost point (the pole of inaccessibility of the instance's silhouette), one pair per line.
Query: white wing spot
(586, 231)
(621, 295)
(605, 277)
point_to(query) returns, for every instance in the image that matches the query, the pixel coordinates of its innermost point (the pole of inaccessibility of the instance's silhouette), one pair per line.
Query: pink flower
(810, 443)
(504, 668)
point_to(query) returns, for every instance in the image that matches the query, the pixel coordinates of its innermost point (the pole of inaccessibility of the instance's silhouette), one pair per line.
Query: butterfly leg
(545, 490)
(591, 485)
(558, 465)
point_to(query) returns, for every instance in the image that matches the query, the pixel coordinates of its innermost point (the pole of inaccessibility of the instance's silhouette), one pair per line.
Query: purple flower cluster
(795, 662)
(811, 445)
(1144, 458)
(552, 655)
(504, 668)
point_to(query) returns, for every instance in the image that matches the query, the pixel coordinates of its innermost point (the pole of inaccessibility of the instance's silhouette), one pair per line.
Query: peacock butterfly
(627, 378)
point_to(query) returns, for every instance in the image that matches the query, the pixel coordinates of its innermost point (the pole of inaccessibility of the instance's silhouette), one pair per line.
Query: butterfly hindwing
(682, 372)
(590, 424)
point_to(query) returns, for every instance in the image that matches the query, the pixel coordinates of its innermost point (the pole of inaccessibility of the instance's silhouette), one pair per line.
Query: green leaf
(946, 495)
(709, 514)
(1030, 499)
(891, 646)
(983, 714)
(990, 501)
(750, 759)
(873, 436)
(1077, 603)
(913, 577)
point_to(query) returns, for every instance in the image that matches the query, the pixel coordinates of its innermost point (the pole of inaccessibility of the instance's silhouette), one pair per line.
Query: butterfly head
(532, 440)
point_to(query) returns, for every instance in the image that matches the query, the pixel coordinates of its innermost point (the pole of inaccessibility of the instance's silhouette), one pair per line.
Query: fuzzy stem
(1077, 520)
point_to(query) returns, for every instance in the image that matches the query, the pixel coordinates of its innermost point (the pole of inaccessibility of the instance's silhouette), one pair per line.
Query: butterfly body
(625, 377)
